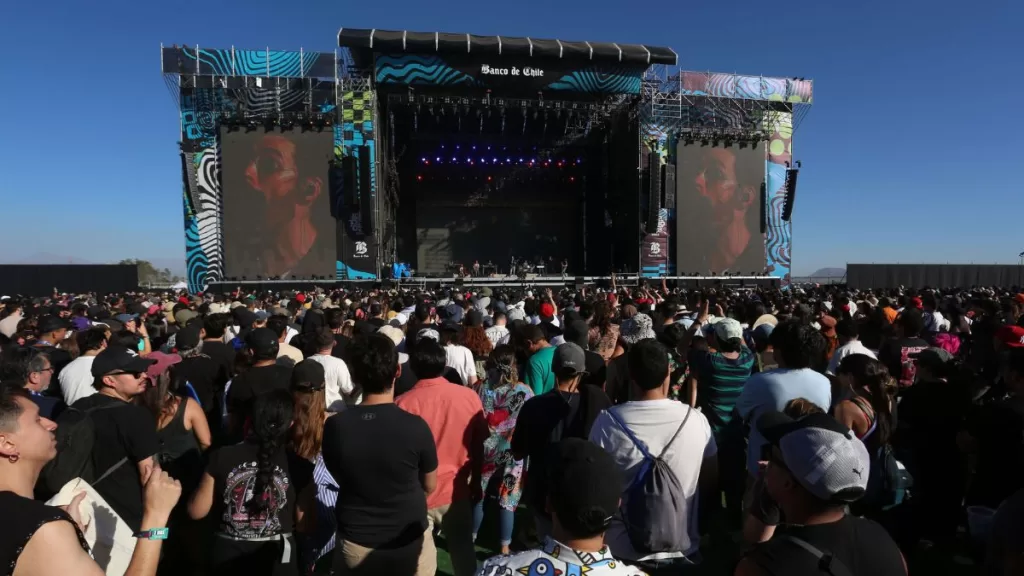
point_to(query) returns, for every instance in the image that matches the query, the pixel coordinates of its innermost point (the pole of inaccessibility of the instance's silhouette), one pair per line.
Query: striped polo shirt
(719, 383)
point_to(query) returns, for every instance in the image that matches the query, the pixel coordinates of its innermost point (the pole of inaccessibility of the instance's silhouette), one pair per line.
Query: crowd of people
(604, 430)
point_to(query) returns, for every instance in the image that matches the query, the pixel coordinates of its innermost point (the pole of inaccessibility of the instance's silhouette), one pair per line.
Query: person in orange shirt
(455, 416)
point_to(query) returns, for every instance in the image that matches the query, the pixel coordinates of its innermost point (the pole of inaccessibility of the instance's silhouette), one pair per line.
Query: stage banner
(511, 75)
(654, 254)
(718, 191)
(357, 249)
(276, 206)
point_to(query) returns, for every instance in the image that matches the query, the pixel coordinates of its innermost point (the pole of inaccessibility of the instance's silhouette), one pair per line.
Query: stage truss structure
(710, 105)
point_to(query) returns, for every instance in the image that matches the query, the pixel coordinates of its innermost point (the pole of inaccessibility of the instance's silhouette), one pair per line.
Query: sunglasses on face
(136, 375)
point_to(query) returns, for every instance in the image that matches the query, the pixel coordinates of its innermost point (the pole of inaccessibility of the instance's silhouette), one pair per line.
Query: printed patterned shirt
(556, 558)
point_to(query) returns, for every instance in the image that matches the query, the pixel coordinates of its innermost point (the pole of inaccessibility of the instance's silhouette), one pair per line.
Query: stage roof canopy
(397, 41)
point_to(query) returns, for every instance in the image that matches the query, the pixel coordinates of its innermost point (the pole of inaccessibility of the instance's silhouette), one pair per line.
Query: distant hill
(829, 273)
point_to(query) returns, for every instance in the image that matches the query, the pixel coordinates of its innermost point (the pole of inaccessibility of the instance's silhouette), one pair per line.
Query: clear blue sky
(913, 151)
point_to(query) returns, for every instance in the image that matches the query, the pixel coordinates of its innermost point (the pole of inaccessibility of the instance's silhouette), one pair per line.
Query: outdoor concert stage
(531, 281)
(437, 149)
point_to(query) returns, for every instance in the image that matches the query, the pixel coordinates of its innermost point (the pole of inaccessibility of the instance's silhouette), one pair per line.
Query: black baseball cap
(262, 341)
(119, 359)
(187, 338)
(584, 506)
(308, 376)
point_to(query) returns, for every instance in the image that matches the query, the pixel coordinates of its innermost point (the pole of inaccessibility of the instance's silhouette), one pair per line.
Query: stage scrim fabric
(718, 216)
(277, 220)
(885, 276)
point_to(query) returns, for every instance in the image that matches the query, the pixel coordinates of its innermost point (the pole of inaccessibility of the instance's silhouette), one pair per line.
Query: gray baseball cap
(727, 329)
(569, 360)
(824, 456)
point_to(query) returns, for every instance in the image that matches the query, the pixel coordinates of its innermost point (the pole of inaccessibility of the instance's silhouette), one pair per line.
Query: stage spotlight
(572, 178)
(419, 177)
(488, 178)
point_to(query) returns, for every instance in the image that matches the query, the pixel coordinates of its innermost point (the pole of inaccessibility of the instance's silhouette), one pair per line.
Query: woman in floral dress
(503, 395)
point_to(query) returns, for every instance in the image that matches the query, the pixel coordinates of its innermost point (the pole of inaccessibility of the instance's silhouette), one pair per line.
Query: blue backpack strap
(629, 433)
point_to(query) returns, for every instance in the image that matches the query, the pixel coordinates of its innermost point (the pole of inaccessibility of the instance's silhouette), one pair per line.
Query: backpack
(76, 438)
(889, 482)
(652, 507)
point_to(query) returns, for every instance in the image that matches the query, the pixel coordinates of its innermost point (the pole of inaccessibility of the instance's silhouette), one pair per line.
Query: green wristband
(153, 534)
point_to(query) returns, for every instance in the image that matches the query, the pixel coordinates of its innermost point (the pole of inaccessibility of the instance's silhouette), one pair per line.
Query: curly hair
(475, 338)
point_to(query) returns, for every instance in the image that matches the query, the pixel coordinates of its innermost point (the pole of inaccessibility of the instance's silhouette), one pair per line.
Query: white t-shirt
(76, 379)
(654, 422)
(337, 382)
(461, 359)
(850, 348)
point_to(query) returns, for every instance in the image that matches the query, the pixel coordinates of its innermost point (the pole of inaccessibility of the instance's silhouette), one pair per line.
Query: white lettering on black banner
(488, 70)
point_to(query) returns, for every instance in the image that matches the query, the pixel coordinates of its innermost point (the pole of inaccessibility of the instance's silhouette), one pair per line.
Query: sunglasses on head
(308, 386)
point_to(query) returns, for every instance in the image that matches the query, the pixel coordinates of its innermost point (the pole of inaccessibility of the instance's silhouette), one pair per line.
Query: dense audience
(605, 430)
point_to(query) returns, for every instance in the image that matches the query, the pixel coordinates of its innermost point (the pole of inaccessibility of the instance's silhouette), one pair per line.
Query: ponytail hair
(872, 381)
(271, 419)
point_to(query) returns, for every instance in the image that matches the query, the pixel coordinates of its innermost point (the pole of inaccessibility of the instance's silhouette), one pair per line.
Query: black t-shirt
(256, 382)
(127, 431)
(206, 376)
(864, 547)
(340, 346)
(222, 354)
(998, 429)
(546, 420)
(377, 454)
(234, 470)
(597, 370)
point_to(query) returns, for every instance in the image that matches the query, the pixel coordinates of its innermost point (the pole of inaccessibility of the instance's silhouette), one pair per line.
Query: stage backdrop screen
(277, 220)
(718, 190)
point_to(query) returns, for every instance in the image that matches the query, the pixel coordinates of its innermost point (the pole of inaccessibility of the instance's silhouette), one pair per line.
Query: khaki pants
(409, 559)
(456, 522)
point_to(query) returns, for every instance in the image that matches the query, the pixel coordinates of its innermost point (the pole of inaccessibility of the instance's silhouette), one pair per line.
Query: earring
(13, 458)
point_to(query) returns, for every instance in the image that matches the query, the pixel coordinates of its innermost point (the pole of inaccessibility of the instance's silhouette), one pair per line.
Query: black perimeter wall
(861, 276)
(43, 279)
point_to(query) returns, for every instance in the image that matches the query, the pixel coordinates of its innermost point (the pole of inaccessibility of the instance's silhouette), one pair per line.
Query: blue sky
(912, 152)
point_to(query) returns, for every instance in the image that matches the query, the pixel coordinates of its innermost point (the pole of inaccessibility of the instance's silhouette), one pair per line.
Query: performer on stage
(565, 268)
(476, 268)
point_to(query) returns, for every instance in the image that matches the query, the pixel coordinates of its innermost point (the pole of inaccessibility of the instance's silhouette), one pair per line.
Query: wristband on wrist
(153, 534)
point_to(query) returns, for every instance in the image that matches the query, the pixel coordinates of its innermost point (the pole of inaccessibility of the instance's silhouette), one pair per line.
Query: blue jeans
(506, 521)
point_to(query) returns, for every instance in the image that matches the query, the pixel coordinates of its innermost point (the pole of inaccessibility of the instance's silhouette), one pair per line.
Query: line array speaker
(764, 207)
(653, 192)
(669, 186)
(188, 170)
(365, 197)
(348, 182)
(787, 204)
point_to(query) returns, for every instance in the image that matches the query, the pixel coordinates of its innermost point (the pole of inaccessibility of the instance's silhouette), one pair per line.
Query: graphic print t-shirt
(897, 355)
(234, 470)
